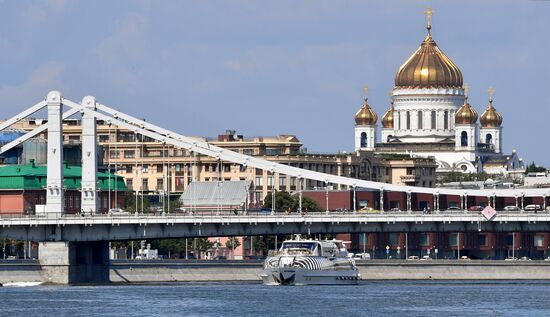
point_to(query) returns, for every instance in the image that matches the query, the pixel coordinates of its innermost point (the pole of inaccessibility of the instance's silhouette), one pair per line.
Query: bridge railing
(258, 213)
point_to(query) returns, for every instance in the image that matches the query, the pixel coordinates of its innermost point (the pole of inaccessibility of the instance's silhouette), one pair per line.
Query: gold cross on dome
(366, 90)
(491, 92)
(428, 13)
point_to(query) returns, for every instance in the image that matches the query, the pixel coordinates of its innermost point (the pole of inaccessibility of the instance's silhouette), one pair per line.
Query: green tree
(130, 203)
(284, 201)
(232, 243)
(203, 244)
(534, 168)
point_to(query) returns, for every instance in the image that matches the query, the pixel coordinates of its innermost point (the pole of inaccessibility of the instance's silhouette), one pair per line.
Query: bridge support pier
(75, 262)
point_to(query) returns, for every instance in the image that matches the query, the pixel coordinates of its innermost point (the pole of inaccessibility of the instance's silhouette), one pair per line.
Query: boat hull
(303, 276)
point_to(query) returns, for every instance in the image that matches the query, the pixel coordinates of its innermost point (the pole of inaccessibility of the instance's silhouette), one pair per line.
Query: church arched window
(464, 139)
(408, 120)
(363, 139)
(489, 138)
(420, 119)
(398, 120)
(433, 120)
(446, 120)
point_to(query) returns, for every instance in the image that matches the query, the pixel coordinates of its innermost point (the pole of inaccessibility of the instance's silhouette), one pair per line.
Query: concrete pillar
(382, 199)
(354, 198)
(74, 262)
(89, 158)
(55, 196)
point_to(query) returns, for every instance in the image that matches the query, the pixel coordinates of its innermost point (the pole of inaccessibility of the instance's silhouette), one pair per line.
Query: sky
(273, 67)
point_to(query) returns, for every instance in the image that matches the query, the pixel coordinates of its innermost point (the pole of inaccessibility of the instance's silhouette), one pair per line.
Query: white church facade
(430, 116)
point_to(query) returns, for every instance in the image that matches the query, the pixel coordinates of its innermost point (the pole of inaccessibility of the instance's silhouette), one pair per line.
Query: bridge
(76, 228)
(80, 244)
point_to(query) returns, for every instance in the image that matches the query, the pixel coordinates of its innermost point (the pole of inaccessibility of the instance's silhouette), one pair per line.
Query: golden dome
(365, 115)
(490, 117)
(428, 67)
(387, 119)
(466, 114)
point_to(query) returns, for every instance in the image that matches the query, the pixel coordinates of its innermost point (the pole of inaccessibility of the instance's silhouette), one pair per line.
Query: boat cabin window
(299, 246)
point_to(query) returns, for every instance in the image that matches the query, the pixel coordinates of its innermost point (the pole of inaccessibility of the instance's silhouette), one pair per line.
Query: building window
(489, 138)
(160, 168)
(408, 120)
(160, 184)
(145, 169)
(145, 185)
(242, 168)
(363, 239)
(114, 154)
(446, 120)
(273, 151)
(129, 154)
(103, 138)
(424, 239)
(433, 118)
(130, 183)
(128, 168)
(259, 181)
(248, 151)
(282, 181)
(399, 120)
(227, 167)
(453, 239)
(539, 240)
(463, 138)
(420, 120)
(270, 181)
(179, 167)
(482, 240)
(363, 139)
(393, 239)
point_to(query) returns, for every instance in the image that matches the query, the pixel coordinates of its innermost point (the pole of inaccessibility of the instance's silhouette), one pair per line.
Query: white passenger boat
(310, 262)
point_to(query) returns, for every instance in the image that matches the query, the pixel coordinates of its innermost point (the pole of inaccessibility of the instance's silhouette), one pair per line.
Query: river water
(390, 298)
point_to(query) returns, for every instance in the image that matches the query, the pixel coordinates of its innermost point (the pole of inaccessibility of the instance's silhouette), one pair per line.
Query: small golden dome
(428, 67)
(466, 114)
(387, 119)
(365, 115)
(490, 117)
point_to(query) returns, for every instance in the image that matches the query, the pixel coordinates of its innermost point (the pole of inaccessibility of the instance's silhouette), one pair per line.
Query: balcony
(410, 178)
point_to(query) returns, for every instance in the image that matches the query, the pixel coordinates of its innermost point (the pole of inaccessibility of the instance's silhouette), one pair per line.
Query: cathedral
(430, 116)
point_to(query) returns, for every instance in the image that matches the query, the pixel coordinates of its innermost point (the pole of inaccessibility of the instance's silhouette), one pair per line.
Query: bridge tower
(89, 157)
(55, 195)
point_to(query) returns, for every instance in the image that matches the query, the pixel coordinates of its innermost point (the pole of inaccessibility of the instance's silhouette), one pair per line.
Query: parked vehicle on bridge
(511, 258)
(511, 208)
(395, 210)
(118, 212)
(413, 257)
(465, 258)
(426, 258)
(532, 207)
(476, 208)
(453, 209)
(524, 258)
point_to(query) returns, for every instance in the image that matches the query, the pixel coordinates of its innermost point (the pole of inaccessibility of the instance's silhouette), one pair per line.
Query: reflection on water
(395, 298)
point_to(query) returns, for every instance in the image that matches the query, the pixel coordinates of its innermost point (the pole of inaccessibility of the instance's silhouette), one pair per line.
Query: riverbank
(160, 271)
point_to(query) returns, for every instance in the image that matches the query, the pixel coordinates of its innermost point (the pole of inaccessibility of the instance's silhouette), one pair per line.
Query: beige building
(150, 167)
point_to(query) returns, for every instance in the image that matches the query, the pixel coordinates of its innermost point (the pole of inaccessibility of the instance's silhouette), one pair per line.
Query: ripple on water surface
(395, 298)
